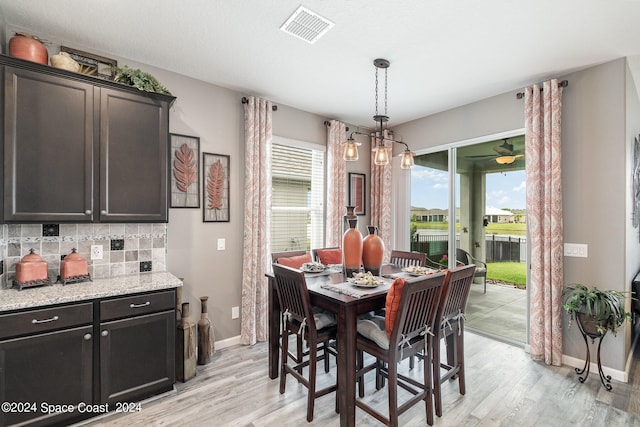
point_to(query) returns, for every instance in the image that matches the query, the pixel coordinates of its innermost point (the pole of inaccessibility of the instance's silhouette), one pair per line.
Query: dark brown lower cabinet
(44, 377)
(137, 357)
(60, 364)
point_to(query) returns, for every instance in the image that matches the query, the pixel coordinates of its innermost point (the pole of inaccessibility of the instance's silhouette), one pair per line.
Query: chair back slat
(408, 259)
(456, 291)
(418, 307)
(293, 295)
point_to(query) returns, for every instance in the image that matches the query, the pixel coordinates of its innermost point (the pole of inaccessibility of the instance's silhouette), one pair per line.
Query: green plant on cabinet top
(139, 79)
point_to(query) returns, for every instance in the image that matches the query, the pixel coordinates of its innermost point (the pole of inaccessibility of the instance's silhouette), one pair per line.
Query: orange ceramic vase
(372, 251)
(352, 249)
(26, 46)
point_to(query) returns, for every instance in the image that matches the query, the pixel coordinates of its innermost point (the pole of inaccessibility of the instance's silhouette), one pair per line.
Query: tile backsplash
(126, 248)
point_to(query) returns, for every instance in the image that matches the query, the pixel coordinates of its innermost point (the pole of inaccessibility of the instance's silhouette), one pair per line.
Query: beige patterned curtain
(257, 222)
(381, 199)
(336, 182)
(544, 219)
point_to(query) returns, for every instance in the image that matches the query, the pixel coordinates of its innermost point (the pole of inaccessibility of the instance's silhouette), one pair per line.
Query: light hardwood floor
(504, 388)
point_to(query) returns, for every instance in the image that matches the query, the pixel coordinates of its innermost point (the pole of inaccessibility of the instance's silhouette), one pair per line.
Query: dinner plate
(418, 271)
(366, 283)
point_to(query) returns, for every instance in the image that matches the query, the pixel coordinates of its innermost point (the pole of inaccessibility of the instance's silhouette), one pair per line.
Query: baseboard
(622, 376)
(229, 342)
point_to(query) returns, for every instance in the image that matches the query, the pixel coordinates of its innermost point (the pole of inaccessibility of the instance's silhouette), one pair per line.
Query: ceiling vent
(306, 25)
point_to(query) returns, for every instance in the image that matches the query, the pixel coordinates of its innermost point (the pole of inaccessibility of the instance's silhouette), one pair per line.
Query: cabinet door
(48, 148)
(47, 369)
(137, 357)
(134, 143)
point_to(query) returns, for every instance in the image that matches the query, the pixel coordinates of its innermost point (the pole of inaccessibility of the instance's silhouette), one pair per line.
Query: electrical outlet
(96, 251)
(235, 312)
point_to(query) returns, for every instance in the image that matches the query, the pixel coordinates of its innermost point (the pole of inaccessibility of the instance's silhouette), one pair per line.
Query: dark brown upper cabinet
(82, 149)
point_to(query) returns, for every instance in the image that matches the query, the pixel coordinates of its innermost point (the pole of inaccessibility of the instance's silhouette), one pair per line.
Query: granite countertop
(14, 299)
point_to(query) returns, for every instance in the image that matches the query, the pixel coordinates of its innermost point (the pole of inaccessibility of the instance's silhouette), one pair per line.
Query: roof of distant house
(490, 210)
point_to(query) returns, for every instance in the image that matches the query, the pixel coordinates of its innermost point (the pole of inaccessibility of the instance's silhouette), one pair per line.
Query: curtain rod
(327, 123)
(563, 83)
(246, 101)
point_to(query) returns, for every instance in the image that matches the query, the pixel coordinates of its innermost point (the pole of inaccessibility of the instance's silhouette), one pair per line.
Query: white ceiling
(443, 53)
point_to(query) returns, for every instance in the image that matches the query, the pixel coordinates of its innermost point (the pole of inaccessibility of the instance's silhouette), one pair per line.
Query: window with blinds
(297, 212)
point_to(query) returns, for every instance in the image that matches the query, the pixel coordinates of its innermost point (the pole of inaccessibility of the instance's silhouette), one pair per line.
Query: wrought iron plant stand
(605, 379)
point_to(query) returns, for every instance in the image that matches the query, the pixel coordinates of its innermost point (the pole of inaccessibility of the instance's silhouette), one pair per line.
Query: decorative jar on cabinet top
(372, 251)
(29, 47)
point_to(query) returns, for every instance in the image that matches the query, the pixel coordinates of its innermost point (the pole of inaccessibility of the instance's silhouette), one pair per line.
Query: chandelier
(381, 150)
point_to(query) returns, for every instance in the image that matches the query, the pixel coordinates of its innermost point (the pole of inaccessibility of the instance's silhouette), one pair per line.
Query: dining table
(331, 291)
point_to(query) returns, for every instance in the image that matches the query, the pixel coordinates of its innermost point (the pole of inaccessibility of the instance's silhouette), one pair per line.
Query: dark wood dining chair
(408, 259)
(295, 258)
(298, 319)
(452, 308)
(415, 321)
(466, 258)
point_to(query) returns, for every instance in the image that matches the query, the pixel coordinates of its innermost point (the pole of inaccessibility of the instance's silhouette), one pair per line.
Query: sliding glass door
(468, 206)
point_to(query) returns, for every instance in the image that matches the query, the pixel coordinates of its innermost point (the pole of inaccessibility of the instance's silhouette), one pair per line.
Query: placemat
(356, 291)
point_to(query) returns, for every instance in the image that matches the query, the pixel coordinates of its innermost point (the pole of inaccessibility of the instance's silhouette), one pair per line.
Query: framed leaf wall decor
(215, 193)
(185, 173)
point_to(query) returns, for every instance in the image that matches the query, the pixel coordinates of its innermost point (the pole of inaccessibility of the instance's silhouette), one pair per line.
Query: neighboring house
(429, 215)
(495, 215)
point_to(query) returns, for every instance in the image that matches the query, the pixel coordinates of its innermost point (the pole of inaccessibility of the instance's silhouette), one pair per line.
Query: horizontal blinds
(297, 218)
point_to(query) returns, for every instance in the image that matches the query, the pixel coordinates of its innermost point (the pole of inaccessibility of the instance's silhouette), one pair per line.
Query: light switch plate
(221, 244)
(579, 250)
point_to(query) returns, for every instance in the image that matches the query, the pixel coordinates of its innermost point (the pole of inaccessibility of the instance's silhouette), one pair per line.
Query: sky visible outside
(430, 189)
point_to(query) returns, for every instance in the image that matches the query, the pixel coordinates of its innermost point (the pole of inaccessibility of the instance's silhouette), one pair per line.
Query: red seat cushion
(392, 304)
(295, 261)
(330, 256)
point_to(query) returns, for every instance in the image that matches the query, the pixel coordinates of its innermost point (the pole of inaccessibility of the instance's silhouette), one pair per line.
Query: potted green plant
(139, 79)
(597, 309)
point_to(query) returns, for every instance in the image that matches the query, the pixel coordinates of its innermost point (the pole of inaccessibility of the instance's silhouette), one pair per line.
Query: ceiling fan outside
(505, 154)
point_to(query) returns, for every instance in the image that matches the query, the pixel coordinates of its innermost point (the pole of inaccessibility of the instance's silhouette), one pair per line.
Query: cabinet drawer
(137, 305)
(46, 319)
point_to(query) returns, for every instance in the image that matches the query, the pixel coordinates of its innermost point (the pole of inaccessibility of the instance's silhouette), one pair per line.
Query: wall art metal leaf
(185, 173)
(216, 187)
(185, 168)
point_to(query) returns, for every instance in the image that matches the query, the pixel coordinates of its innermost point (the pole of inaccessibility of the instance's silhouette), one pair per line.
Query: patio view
(491, 236)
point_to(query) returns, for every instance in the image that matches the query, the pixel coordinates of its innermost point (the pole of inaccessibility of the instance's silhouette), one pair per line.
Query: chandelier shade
(350, 149)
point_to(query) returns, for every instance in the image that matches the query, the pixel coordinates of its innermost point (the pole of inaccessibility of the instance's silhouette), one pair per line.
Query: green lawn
(515, 229)
(509, 272)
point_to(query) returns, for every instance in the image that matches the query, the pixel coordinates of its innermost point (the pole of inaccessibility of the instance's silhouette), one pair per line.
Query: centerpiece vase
(372, 251)
(206, 342)
(349, 215)
(352, 249)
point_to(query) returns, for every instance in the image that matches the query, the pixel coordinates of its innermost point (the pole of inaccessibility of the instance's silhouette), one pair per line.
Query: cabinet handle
(87, 337)
(87, 212)
(52, 319)
(103, 212)
(139, 305)
(104, 333)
